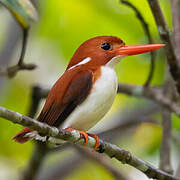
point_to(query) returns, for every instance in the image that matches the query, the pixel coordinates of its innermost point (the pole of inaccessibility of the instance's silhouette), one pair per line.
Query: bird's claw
(85, 136)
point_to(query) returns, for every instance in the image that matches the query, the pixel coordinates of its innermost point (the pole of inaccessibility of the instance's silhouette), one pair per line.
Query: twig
(11, 71)
(165, 36)
(152, 93)
(24, 45)
(165, 151)
(74, 137)
(147, 32)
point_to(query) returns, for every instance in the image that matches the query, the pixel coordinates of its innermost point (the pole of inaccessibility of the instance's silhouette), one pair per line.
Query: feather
(20, 137)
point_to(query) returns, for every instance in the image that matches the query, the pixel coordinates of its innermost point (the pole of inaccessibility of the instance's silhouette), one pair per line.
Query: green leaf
(23, 11)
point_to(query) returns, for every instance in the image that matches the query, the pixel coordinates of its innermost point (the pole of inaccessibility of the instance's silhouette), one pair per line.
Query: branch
(152, 93)
(147, 32)
(165, 37)
(74, 137)
(165, 151)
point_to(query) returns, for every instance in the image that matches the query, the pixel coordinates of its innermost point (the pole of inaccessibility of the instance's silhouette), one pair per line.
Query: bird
(86, 90)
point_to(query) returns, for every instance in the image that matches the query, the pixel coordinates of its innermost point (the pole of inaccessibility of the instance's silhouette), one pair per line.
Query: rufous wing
(65, 96)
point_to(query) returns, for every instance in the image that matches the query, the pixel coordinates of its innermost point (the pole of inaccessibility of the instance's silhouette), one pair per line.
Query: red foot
(97, 141)
(85, 136)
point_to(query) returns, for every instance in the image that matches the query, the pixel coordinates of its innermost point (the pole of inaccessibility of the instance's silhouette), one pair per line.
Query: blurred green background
(62, 27)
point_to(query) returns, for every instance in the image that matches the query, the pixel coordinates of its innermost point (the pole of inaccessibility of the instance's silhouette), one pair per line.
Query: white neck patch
(114, 61)
(84, 61)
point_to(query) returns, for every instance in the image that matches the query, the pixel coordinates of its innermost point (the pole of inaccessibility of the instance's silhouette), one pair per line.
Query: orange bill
(137, 49)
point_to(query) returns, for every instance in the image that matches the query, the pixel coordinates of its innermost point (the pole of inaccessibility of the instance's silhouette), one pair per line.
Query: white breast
(97, 104)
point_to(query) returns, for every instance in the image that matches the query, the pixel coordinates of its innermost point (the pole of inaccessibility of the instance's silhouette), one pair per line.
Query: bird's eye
(105, 46)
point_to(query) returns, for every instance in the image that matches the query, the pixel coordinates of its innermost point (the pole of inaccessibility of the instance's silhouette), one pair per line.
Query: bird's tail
(20, 137)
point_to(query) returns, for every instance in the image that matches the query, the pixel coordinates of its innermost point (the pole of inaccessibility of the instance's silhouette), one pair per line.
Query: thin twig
(148, 34)
(24, 46)
(165, 151)
(165, 36)
(152, 93)
(11, 71)
(111, 150)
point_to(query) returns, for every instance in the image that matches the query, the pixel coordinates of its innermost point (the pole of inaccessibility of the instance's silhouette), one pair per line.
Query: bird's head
(107, 50)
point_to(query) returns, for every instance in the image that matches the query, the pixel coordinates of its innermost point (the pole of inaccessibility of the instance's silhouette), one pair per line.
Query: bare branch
(165, 36)
(111, 150)
(165, 151)
(147, 32)
(24, 46)
(152, 93)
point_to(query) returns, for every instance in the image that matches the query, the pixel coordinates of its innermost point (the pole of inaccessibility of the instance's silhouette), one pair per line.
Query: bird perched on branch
(86, 91)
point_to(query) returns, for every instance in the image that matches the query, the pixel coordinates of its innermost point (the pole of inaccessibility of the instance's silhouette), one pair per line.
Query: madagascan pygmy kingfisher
(87, 89)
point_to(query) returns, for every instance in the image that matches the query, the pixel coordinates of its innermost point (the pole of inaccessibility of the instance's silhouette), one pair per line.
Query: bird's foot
(85, 136)
(97, 141)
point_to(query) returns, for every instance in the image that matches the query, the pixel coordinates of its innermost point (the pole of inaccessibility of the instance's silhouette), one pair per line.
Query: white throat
(115, 60)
